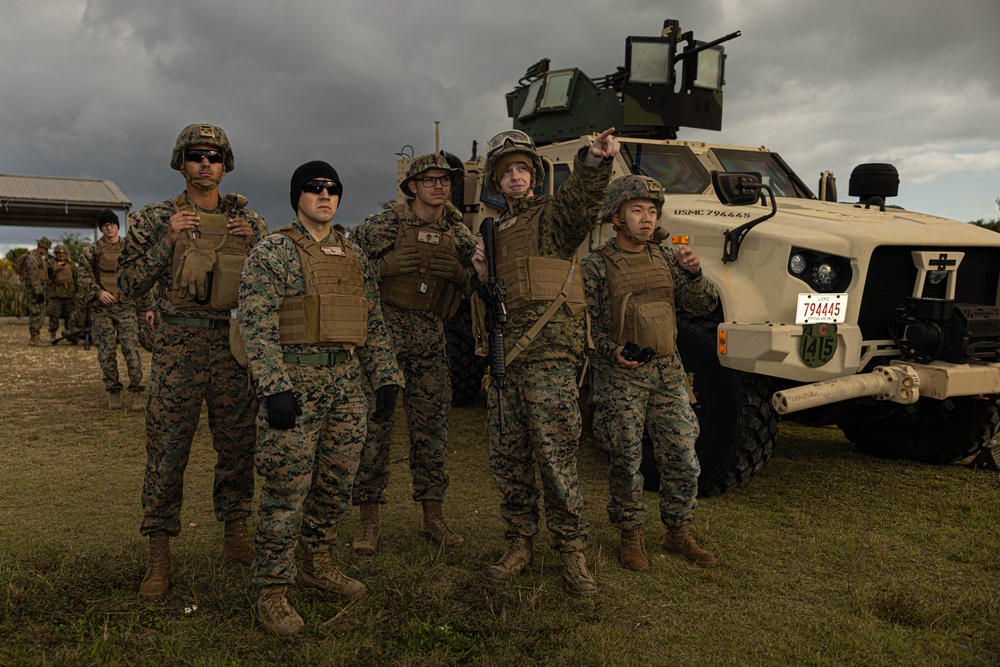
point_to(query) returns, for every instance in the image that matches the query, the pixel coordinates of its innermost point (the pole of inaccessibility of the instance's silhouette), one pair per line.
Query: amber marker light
(722, 342)
(679, 239)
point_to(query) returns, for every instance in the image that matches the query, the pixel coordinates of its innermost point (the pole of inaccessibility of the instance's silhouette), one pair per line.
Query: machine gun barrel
(707, 45)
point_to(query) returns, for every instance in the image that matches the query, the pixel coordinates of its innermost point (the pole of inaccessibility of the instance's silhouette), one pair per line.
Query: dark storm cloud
(101, 88)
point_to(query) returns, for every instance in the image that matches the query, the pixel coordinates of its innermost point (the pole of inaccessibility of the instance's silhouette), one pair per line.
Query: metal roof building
(50, 201)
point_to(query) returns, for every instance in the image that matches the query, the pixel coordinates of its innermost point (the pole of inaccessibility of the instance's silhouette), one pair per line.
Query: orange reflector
(722, 342)
(678, 239)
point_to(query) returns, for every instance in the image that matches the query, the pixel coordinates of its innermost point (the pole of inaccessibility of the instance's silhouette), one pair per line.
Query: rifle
(493, 293)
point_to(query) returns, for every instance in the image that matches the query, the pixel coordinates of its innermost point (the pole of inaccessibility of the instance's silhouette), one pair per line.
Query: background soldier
(424, 253)
(36, 280)
(310, 317)
(192, 362)
(61, 293)
(114, 320)
(544, 338)
(632, 269)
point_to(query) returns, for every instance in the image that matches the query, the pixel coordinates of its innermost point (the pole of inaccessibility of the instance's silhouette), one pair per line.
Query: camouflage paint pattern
(419, 342)
(190, 366)
(540, 404)
(650, 397)
(308, 470)
(112, 325)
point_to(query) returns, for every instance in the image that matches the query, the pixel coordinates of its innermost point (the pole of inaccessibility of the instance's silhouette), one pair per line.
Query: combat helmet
(424, 163)
(629, 187)
(59, 249)
(506, 143)
(199, 133)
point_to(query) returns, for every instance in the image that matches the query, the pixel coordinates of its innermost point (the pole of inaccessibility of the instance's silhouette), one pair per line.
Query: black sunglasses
(199, 154)
(316, 187)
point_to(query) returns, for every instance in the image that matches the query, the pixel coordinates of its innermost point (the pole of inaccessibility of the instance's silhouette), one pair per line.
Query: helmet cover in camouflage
(59, 249)
(199, 134)
(629, 187)
(507, 143)
(44, 242)
(425, 163)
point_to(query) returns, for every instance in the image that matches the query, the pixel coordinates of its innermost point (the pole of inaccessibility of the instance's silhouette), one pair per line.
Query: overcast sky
(101, 88)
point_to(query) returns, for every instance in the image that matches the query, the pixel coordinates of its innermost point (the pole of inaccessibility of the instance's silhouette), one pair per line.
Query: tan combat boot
(579, 581)
(517, 557)
(35, 341)
(318, 571)
(157, 579)
(136, 401)
(679, 540)
(633, 550)
(433, 527)
(366, 541)
(114, 400)
(236, 546)
(276, 613)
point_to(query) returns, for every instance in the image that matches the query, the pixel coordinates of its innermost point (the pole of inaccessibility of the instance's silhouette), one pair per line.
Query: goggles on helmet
(506, 138)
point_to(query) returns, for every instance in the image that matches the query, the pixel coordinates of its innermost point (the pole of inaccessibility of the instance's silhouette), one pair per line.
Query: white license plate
(813, 308)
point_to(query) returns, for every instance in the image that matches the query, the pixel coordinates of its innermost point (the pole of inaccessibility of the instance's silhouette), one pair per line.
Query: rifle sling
(529, 335)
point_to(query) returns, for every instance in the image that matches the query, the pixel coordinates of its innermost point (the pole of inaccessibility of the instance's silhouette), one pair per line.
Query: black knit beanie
(307, 172)
(107, 215)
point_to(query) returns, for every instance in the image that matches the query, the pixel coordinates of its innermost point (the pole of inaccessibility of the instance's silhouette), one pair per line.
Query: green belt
(318, 358)
(200, 322)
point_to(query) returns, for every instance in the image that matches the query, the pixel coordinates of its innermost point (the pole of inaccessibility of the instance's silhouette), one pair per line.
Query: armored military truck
(881, 321)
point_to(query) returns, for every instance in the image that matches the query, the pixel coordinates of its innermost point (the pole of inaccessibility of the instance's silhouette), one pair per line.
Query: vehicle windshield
(772, 170)
(675, 167)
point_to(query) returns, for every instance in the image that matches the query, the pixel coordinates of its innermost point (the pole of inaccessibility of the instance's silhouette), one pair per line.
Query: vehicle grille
(891, 275)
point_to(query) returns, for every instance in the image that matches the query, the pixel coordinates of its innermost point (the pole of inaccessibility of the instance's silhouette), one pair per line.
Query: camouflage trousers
(61, 307)
(192, 366)
(543, 427)
(662, 410)
(36, 312)
(112, 326)
(418, 339)
(308, 470)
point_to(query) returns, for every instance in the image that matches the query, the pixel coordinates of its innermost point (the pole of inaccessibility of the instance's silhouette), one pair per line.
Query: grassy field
(828, 558)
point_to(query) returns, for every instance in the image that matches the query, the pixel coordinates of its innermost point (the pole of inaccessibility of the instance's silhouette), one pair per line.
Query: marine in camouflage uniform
(540, 403)
(424, 251)
(114, 317)
(630, 396)
(192, 363)
(61, 293)
(310, 367)
(36, 280)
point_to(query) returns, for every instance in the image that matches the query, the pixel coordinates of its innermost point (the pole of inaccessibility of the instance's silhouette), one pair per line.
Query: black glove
(282, 408)
(385, 402)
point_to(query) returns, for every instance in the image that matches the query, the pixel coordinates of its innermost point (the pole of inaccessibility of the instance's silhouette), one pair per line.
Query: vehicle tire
(738, 425)
(937, 432)
(466, 373)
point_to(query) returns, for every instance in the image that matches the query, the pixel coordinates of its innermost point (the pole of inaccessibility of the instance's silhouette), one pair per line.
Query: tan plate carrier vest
(230, 251)
(107, 260)
(63, 274)
(334, 310)
(43, 271)
(421, 289)
(528, 277)
(642, 299)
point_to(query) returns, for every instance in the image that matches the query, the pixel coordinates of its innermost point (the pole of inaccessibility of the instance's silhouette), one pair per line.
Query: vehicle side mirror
(736, 188)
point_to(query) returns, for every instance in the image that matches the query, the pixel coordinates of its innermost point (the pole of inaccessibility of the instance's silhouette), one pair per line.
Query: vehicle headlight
(825, 276)
(822, 272)
(797, 264)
